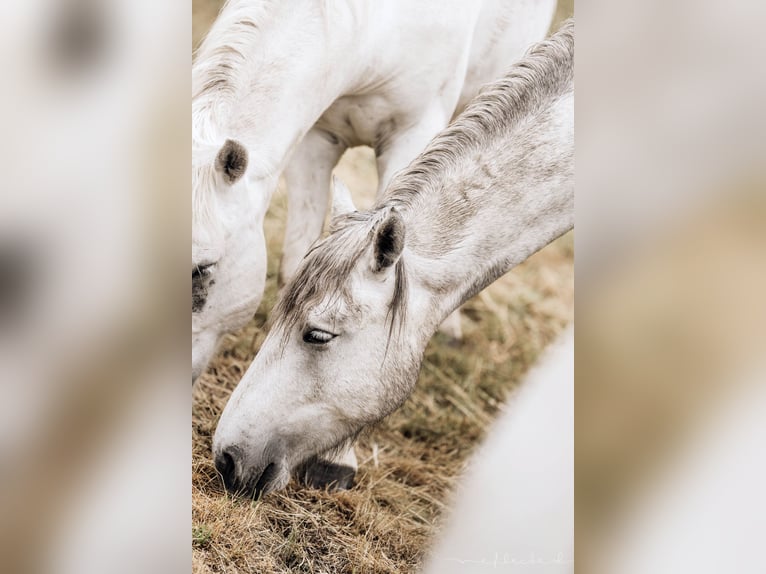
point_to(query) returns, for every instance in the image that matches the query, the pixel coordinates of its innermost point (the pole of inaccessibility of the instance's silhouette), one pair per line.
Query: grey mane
(545, 74)
(542, 76)
(220, 61)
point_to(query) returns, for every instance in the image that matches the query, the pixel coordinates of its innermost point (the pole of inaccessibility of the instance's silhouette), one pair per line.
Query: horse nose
(226, 466)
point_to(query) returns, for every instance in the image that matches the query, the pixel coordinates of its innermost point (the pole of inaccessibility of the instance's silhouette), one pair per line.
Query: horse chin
(324, 474)
(273, 478)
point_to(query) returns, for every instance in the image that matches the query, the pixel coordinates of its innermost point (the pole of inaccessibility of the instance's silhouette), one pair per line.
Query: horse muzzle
(249, 481)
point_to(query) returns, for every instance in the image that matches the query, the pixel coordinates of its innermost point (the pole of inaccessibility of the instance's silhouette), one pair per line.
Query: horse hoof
(328, 475)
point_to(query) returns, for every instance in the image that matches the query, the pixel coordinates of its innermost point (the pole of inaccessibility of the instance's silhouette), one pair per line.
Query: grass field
(410, 462)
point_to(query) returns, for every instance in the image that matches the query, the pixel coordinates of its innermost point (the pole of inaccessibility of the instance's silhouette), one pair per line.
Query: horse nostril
(266, 477)
(227, 468)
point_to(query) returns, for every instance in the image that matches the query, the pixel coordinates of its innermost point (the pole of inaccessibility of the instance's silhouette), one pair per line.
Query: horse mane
(219, 69)
(542, 76)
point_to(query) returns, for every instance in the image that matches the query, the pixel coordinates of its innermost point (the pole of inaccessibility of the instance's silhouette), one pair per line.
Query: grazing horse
(350, 329)
(289, 86)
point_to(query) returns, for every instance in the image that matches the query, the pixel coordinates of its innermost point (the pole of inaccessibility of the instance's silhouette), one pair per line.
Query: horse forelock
(325, 272)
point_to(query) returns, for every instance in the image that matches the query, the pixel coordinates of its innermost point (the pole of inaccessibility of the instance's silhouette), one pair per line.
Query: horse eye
(317, 337)
(201, 271)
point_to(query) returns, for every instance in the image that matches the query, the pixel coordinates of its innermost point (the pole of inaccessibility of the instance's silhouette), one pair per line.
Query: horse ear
(341, 198)
(231, 161)
(389, 242)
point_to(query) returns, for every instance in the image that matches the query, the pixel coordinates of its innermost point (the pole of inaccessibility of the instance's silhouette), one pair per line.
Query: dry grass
(409, 463)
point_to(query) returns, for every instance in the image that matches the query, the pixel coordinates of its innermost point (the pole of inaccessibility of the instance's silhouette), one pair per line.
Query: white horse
(300, 82)
(351, 327)
(515, 507)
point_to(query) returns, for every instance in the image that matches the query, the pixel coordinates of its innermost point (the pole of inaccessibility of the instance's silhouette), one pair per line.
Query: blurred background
(94, 240)
(671, 237)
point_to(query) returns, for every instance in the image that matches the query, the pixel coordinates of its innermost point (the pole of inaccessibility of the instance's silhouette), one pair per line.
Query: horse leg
(308, 189)
(400, 150)
(335, 470)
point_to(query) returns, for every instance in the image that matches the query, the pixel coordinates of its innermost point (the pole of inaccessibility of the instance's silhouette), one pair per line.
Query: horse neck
(266, 73)
(492, 208)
